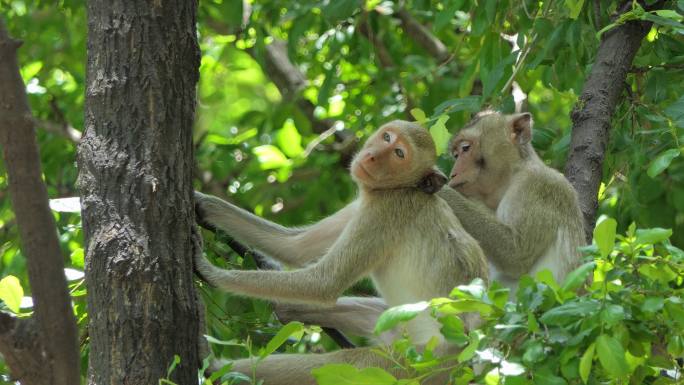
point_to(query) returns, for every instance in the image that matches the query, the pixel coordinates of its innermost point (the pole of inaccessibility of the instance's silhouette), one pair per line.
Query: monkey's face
(465, 174)
(387, 160)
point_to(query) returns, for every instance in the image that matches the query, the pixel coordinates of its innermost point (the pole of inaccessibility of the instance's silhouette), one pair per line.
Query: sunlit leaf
(604, 234)
(345, 374)
(289, 140)
(394, 315)
(419, 115)
(11, 292)
(270, 157)
(291, 329)
(440, 134)
(586, 362)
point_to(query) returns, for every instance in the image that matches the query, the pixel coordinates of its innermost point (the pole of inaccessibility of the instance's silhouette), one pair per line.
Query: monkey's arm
(513, 246)
(350, 258)
(292, 246)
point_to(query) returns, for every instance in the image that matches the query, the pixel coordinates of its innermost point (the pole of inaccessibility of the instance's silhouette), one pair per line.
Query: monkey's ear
(520, 126)
(432, 181)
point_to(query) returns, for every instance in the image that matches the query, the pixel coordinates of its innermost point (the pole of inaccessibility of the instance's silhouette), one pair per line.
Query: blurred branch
(66, 130)
(265, 263)
(54, 319)
(384, 57)
(290, 81)
(422, 36)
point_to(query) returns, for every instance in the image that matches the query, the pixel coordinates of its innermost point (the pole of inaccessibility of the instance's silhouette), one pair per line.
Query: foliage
(624, 325)
(256, 145)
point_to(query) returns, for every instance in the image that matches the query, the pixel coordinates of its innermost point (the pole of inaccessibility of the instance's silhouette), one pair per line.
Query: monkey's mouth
(363, 171)
(457, 185)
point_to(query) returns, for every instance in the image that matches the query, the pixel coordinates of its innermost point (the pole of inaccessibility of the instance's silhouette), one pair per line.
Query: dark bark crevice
(43, 349)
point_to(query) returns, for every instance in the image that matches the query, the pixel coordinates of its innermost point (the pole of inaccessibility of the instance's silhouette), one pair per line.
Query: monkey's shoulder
(542, 183)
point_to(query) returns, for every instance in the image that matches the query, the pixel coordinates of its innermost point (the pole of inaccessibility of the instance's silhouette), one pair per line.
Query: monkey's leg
(295, 369)
(355, 315)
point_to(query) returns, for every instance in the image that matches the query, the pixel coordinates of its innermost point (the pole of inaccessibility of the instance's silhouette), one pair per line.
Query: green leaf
(469, 103)
(345, 374)
(392, 316)
(31, 70)
(604, 234)
(578, 276)
(270, 157)
(546, 377)
(586, 362)
(440, 134)
(662, 162)
(11, 292)
(289, 139)
(675, 111)
(419, 115)
(470, 350)
(654, 235)
(283, 334)
(534, 353)
(652, 304)
(612, 314)
(612, 356)
(340, 10)
(570, 312)
(575, 7)
(453, 330)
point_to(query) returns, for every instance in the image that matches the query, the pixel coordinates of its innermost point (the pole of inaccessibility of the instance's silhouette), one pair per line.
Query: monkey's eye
(386, 137)
(465, 147)
(399, 152)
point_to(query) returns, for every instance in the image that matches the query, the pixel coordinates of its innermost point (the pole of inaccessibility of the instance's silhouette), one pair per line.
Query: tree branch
(56, 325)
(290, 81)
(423, 37)
(22, 350)
(265, 263)
(592, 114)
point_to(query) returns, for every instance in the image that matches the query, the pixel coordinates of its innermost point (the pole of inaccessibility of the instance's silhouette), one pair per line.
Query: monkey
(524, 214)
(397, 231)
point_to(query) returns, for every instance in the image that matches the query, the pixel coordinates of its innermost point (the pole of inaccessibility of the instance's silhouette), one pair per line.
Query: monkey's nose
(370, 156)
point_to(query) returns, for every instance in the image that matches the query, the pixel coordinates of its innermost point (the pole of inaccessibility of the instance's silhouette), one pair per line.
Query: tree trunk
(44, 349)
(135, 161)
(593, 112)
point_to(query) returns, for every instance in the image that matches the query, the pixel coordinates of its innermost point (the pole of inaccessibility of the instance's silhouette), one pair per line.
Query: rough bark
(593, 112)
(48, 354)
(135, 176)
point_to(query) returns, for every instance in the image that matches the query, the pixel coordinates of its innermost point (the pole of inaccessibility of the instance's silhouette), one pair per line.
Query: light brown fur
(524, 214)
(409, 242)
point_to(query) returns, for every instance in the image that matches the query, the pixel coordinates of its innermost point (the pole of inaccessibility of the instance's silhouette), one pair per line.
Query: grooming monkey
(408, 241)
(524, 214)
